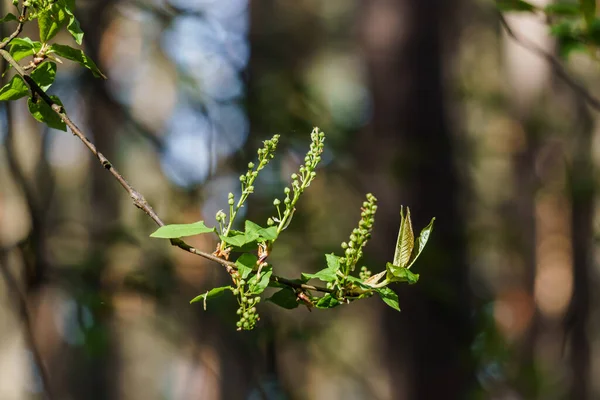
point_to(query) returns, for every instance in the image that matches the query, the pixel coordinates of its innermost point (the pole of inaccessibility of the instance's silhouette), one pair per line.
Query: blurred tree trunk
(409, 142)
(582, 216)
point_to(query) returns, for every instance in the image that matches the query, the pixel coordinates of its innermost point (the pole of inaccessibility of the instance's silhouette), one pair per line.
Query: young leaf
(389, 297)
(181, 230)
(215, 292)
(43, 113)
(50, 22)
(44, 75)
(246, 263)
(285, 298)
(327, 301)
(333, 262)
(327, 274)
(237, 240)
(259, 233)
(515, 5)
(257, 286)
(423, 238)
(23, 47)
(406, 240)
(400, 274)
(14, 89)
(76, 55)
(9, 17)
(73, 27)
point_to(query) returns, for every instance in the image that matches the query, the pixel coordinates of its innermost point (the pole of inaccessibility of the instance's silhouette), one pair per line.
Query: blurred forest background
(429, 104)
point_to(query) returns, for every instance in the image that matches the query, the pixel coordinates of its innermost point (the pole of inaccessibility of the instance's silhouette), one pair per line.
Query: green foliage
(250, 273)
(51, 17)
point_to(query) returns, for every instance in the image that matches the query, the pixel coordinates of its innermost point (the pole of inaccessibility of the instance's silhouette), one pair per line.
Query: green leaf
(76, 55)
(246, 263)
(73, 27)
(44, 75)
(328, 274)
(181, 230)
(406, 240)
(50, 21)
(9, 17)
(423, 238)
(215, 292)
(563, 9)
(327, 301)
(43, 113)
(14, 89)
(23, 47)
(258, 284)
(259, 233)
(588, 9)
(237, 240)
(515, 5)
(400, 274)
(389, 297)
(285, 298)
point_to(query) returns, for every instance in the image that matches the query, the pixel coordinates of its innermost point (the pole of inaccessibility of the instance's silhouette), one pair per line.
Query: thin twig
(17, 32)
(138, 199)
(554, 62)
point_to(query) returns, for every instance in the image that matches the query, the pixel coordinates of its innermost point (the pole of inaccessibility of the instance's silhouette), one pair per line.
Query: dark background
(425, 103)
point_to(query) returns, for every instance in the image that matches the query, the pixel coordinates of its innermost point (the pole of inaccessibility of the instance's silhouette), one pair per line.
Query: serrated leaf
(44, 75)
(400, 274)
(50, 21)
(515, 5)
(174, 231)
(78, 56)
(333, 262)
(14, 89)
(257, 284)
(588, 9)
(406, 240)
(285, 298)
(44, 114)
(389, 297)
(9, 17)
(327, 301)
(215, 292)
(422, 241)
(246, 263)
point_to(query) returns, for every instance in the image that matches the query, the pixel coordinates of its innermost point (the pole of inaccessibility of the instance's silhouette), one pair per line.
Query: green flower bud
(250, 165)
(276, 202)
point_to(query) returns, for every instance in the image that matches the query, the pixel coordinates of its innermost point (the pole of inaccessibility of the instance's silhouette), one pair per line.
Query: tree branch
(554, 62)
(137, 198)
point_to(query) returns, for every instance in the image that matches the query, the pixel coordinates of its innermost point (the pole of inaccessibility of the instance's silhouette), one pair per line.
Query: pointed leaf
(78, 56)
(237, 240)
(327, 301)
(422, 241)
(50, 22)
(389, 297)
(285, 298)
(258, 232)
(215, 292)
(174, 231)
(406, 240)
(9, 17)
(14, 89)
(44, 114)
(23, 47)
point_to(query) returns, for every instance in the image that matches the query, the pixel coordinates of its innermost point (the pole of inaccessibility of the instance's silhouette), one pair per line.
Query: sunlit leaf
(44, 75)
(50, 21)
(327, 301)
(76, 55)
(389, 297)
(215, 292)
(422, 241)
(181, 230)
(246, 263)
(406, 240)
(258, 283)
(400, 274)
(14, 89)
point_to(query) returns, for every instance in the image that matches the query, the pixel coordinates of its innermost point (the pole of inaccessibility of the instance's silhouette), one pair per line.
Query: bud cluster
(353, 249)
(248, 316)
